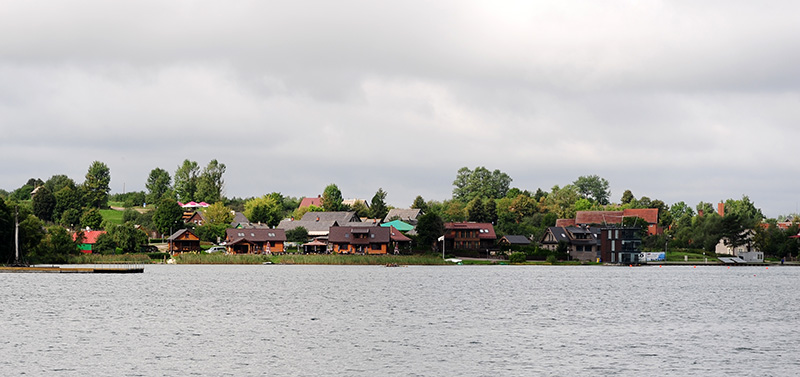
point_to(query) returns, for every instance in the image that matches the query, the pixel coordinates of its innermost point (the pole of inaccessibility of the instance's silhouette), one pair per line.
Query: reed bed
(109, 259)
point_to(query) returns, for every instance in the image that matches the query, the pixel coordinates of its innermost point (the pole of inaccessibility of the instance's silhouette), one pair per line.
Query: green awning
(399, 225)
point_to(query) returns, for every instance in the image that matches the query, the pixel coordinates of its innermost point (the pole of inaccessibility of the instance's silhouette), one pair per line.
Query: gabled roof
(255, 235)
(405, 214)
(307, 202)
(615, 217)
(485, 230)
(351, 202)
(239, 218)
(648, 214)
(397, 236)
(339, 216)
(314, 228)
(345, 234)
(516, 240)
(89, 237)
(182, 233)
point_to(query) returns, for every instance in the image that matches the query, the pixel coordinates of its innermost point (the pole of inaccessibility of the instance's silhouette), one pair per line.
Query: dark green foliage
(127, 237)
(168, 216)
(210, 183)
(210, 232)
(130, 216)
(378, 209)
(186, 178)
(44, 202)
(420, 204)
(58, 182)
(96, 184)
(429, 228)
(6, 232)
(105, 244)
(56, 247)
(158, 184)
(70, 218)
(91, 218)
(299, 234)
(68, 198)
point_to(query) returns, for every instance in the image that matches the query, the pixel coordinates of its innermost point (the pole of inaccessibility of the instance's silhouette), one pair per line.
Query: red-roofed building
(307, 202)
(89, 239)
(469, 236)
(649, 215)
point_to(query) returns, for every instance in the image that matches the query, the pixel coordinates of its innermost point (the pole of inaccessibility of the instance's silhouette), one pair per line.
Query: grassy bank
(109, 259)
(217, 258)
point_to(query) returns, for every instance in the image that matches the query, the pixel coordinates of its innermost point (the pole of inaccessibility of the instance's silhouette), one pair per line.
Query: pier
(117, 269)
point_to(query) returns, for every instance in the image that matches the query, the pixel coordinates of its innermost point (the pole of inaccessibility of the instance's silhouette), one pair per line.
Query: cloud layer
(673, 100)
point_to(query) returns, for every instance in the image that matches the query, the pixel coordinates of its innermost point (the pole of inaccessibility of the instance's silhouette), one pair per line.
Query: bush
(158, 256)
(551, 259)
(517, 257)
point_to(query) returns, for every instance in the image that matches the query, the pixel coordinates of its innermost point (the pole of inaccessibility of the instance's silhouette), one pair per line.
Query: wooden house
(469, 236)
(255, 241)
(359, 239)
(183, 241)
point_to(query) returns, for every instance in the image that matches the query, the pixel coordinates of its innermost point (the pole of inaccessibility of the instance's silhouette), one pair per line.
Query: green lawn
(112, 216)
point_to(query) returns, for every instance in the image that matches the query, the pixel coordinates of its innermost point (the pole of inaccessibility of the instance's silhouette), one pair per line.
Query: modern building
(620, 245)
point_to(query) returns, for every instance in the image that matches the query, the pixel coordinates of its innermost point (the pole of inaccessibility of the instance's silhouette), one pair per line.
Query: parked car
(216, 249)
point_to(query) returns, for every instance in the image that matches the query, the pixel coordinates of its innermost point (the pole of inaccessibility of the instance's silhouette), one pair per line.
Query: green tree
(748, 214)
(67, 198)
(128, 237)
(6, 232)
(429, 228)
(476, 211)
(70, 218)
(627, 197)
(299, 234)
(55, 247)
(594, 188)
(158, 185)
(420, 204)
(168, 216)
(186, 180)
(58, 182)
(360, 209)
(91, 218)
(105, 244)
(332, 198)
(44, 202)
(210, 184)
(377, 208)
(266, 209)
(480, 182)
(96, 184)
(561, 201)
(218, 214)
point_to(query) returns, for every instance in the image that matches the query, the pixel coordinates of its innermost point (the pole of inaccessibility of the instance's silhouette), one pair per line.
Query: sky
(674, 100)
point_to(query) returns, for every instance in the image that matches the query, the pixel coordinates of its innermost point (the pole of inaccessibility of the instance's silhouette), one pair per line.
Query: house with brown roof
(318, 224)
(586, 218)
(359, 239)
(197, 218)
(407, 215)
(183, 240)
(469, 236)
(255, 240)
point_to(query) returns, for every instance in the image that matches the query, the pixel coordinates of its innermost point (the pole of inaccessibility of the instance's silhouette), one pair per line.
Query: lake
(282, 320)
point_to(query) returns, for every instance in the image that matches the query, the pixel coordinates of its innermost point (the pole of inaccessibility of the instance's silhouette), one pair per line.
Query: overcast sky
(677, 100)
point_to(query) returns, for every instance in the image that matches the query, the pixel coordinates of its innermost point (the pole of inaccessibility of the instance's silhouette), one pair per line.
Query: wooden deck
(75, 270)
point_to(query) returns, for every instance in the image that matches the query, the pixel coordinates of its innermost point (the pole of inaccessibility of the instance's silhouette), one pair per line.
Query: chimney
(721, 209)
(317, 218)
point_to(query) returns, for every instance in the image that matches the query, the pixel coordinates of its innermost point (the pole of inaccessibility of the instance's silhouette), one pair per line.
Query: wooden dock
(74, 270)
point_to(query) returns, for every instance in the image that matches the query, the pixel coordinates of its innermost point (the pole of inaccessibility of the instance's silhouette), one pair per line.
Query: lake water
(177, 320)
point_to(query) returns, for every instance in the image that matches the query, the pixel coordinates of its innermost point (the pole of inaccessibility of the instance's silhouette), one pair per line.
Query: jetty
(74, 270)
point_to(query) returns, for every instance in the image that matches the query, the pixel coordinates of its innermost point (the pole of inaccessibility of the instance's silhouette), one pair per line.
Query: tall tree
(561, 201)
(59, 181)
(377, 208)
(476, 211)
(96, 184)
(480, 182)
(68, 197)
(44, 202)
(210, 185)
(158, 184)
(360, 208)
(167, 217)
(128, 237)
(420, 204)
(627, 197)
(6, 232)
(92, 218)
(593, 187)
(332, 198)
(429, 228)
(186, 180)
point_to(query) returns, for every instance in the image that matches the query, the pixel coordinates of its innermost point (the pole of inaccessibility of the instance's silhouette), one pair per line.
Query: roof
(239, 218)
(351, 202)
(89, 237)
(399, 225)
(486, 230)
(314, 228)
(565, 222)
(516, 240)
(338, 216)
(255, 235)
(344, 234)
(306, 202)
(408, 215)
(398, 236)
(615, 217)
(180, 233)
